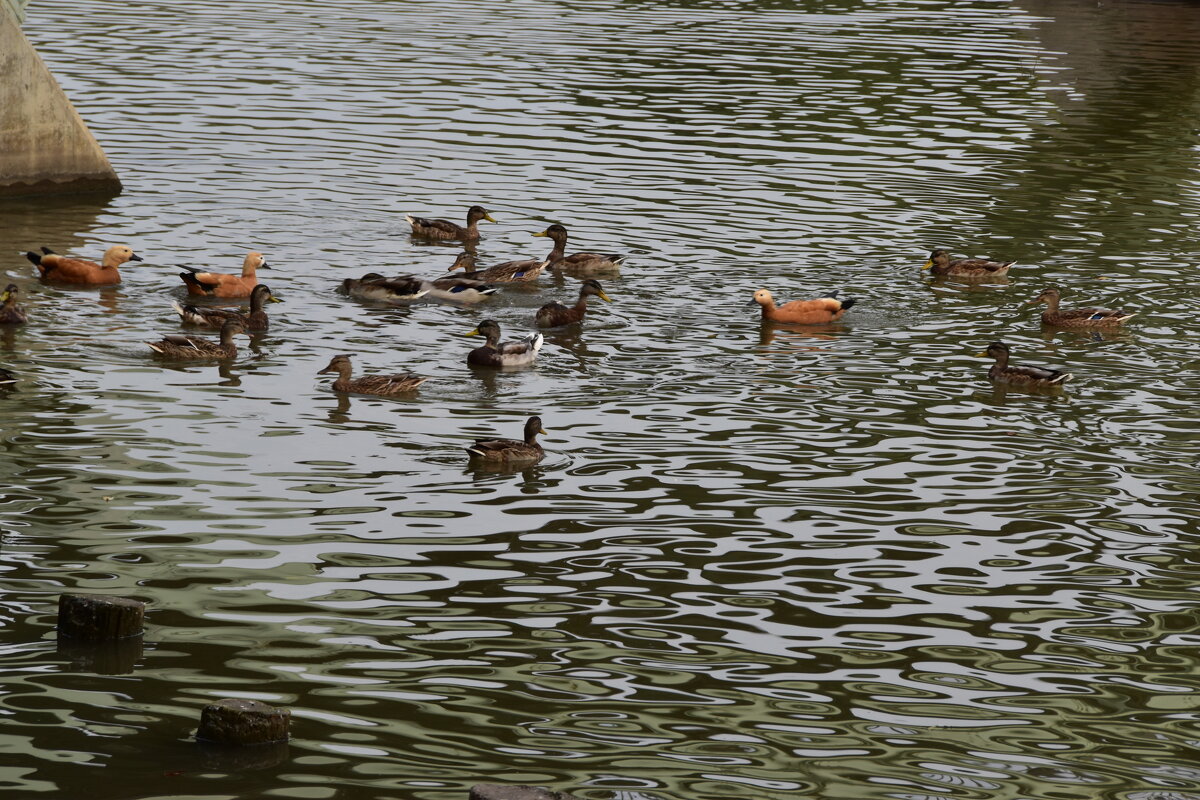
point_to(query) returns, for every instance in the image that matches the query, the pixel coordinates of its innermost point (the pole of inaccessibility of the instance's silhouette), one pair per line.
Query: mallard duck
(400, 290)
(555, 314)
(178, 346)
(1076, 318)
(827, 308)
(445, 229)
(10, 312)
(508, 272)
(455, 289)
(940, 264)
(509, 451)
(1002, 372)
(256, 320)
(578, 262)
(61, 269)
(216, 284)
(7, 377)
(508, 354)
(385, 385)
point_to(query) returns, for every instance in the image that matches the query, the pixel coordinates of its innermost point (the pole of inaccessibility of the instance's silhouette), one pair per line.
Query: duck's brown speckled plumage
(508, 272)
(579, 263)
(256, 320)
(384, 385)
(192, 347)
(1003, 372)
(552, 315)
(503, 354)
(446, 230)
(10, 312)
(940, 264)
(1077, 317)
(510, 451)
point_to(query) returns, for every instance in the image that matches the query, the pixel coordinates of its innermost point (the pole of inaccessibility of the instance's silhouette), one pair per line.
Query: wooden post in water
(99, 618)
(243, 722)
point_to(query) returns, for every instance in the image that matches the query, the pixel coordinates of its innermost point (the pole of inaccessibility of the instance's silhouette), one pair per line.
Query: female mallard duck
(939, 264)
(555, 314)
(508, 272)
(578, 262)
(445, 229)
(399, 290)
(1003, 372)
(216, 284)
(1076, 318)
(827, 308)
(384, 385)
(508, 354)
(510, 451)
(60, 269)
(177, 346)
(256, 320)
(10, 312)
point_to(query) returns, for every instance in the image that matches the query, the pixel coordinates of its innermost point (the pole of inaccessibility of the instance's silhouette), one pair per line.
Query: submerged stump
(243, 722)
(99, 618)
(493, 791)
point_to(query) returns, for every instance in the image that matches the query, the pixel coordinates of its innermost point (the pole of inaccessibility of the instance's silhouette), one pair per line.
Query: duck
(508, 354)
(508, 272)
(61, 269)
(10, 312)
(398, 290)
(578, 262)
(1003, 372)
(7, 377)
(178, 346)
(552, 315)
(827, 308)
(509, 451)
(256, 320)
(383, 385)
(454, 289)
(216, 284)
(1076, 318)
(445, 229)
(939, 263)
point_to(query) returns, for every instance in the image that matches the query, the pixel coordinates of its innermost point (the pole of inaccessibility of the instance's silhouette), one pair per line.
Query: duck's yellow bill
(488, 217)
(543, 233)
(473, 333)
(982, 355)
(604, 297)
(927, 265)
(274, 299)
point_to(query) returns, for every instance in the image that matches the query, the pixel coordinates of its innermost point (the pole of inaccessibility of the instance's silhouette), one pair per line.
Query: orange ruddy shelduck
(803, 312)
(216, 284)
(61, 269)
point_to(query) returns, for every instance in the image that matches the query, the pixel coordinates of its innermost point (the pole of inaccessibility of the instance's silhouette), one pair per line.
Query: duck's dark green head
(488, 328)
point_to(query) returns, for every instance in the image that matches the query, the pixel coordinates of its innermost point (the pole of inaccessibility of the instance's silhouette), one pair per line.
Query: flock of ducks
(475, 285)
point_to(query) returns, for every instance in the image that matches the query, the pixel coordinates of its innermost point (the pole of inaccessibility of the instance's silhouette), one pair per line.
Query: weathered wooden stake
(242, 722)
(99, 618)
(492, 791)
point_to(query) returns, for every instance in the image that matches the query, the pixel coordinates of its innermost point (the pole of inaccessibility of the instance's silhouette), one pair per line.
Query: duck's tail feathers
(535, 341)
(832, 294)
(1062, 378)
(46, 251)
(618, 258)
(411, 219)
(180, 310)
(34, 257)
(848, 303)
(193, 270)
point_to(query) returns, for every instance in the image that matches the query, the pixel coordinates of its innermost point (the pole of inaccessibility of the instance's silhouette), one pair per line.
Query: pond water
(757, 562)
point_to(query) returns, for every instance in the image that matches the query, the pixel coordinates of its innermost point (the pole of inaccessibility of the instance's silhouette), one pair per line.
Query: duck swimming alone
(383, 385)
(1076, 318)
(588, 263)
(940, 264)
(217, 284)
(509, 354)
(803, 312)
(60, 269)
(510, 451)
(1003, 372)
(552, 315)
(445, 229)
(178, 346)
(256, 320)
(10, 312)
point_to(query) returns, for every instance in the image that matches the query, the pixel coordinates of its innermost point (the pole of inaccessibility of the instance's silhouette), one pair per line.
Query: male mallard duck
(509, 451)
(552, 315)
(1002, 372)
(178, 346)
(216, 284)
(508, 272)
(578, 262)
(827, 308)
(508, 354)
(399, 290)
(1076, 318)
(940, 264)
(445, 229)
(385, 385)
(7, 376)
(461, 290)
(256, 320)
(61, 269)
(10, 312)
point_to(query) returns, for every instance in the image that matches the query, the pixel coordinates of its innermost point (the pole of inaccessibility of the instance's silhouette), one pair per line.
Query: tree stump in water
(243, 722)
(99, 618)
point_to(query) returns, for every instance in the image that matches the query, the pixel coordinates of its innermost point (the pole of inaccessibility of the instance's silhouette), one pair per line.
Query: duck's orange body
(803, 312)
(216, 284)
(60, 269)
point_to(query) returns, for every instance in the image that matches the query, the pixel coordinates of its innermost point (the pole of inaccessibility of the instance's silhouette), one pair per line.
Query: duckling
(445, 229)
(578, 262)
(461, 290)
(1002, 372)
(827, 308)
(940, 264)
(1076, 318)
(216, 284)
(256, 320)
(509, 451)
(508, 354)
(384, 385)
(178, 346)
(400, 290)
(61, 269)
(7, 376)
(555, 314)
(508, 272)
(10, 312)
